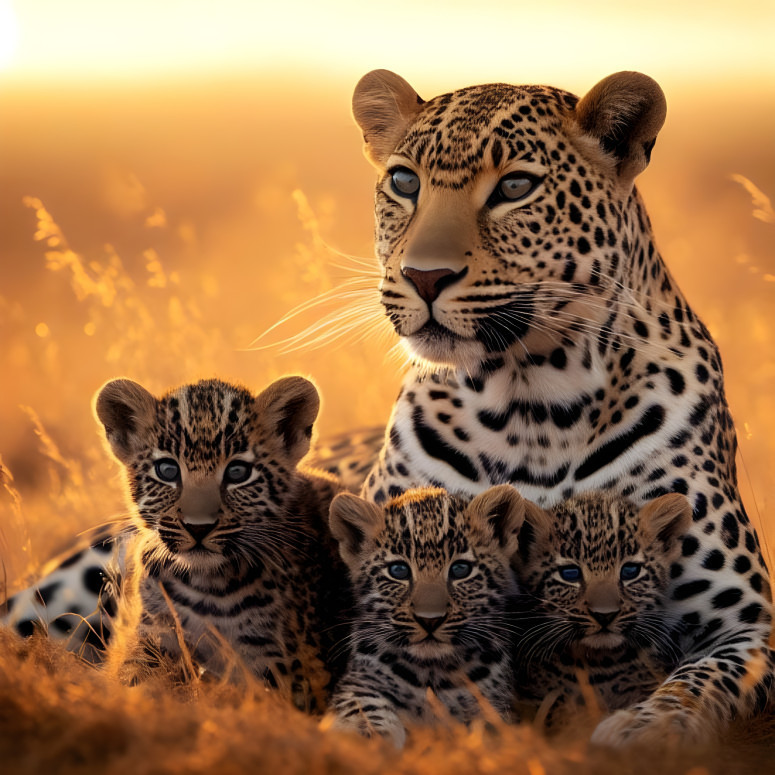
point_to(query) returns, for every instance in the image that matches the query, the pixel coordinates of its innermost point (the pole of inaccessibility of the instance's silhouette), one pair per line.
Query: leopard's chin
(438, 345)
(430, 649)
(200, 560)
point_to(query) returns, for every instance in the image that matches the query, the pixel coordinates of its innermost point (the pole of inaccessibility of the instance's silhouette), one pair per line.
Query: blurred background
(175, 177)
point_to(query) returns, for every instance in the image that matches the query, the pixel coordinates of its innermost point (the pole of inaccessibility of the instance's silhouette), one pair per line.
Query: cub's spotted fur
(231, 563)
(594, 573)
(431, 577)
(556, 353)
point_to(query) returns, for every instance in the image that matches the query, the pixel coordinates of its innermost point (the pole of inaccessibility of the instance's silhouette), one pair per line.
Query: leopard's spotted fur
(432, 580)
(555, 352)
(593, 574)
(232, 564)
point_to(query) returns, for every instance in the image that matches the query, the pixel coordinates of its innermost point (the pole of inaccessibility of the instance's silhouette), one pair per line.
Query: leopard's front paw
(644, 727)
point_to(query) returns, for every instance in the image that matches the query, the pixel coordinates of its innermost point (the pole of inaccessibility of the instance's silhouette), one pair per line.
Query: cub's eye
(236, 472)
(630, 571)
(404, 182)
(513, 187)
(570, 573)
(167, 469)
(460, 569)
(399, 570)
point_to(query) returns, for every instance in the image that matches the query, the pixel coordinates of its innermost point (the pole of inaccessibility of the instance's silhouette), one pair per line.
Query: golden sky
(449, 41)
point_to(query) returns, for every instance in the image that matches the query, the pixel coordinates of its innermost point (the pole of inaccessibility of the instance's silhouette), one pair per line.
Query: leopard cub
(231, 569)
(592, 621)
(432, 582)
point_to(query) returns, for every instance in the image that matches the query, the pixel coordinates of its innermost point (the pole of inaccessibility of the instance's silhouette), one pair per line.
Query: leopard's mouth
(603, 640)
(495, 331)
(184, 546)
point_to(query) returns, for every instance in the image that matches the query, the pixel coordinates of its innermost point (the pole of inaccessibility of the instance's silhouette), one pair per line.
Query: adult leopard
(555, 352)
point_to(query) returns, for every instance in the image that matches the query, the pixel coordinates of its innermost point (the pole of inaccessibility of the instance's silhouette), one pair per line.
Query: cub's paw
(358, 723)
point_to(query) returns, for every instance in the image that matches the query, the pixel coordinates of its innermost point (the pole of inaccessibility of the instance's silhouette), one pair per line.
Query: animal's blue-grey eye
(399, 570)
(570, 573)
(460, 569)
(237, 471)
(404, 182)
(167, 469)
(513, 187)
(630, 571)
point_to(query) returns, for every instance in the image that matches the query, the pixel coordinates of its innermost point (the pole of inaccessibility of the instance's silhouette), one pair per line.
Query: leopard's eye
(630, 571)
(399, 571)
(237, 471)
(167, 469)
(404, 182)
(570, 573)
(460, 569)
(513, 187)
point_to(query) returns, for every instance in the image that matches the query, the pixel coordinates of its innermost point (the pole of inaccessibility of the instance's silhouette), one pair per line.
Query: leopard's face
(501, 220)
(431, 578)
(211, 470)
(598, 573)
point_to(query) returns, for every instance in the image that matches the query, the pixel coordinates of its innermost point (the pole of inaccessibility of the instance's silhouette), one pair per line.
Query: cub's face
(211, 466)
(500, 209)
(597, 570)
(431, 572)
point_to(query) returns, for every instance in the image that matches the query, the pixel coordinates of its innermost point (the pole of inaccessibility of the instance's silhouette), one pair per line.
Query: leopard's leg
(698, 701)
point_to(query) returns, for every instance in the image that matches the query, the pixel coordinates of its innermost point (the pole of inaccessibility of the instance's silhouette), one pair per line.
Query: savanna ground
(155, 234)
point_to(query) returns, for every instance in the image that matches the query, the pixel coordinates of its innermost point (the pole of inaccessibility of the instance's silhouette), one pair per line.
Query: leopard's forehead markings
(596, 529)
(459, 133)
(205, 423)
(431, 527)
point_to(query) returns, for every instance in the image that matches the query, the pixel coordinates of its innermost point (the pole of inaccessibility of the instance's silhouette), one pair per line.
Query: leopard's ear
(624, 113)
(354, 522)
(384, 105)
(664, 521)
(499, 512)
(288, 409)
(126, 410)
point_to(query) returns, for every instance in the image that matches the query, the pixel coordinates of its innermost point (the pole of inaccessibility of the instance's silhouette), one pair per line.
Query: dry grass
(161, 255)
(58, 715)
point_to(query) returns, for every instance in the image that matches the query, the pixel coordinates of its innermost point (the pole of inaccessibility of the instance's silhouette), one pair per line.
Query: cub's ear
(125, 409)
(535, 534)
(384, 105)
(287, 409)
(499, 512)
(354, 522)
(624, 113)
(664, 521)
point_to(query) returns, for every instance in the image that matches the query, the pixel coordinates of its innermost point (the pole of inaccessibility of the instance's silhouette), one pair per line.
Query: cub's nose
(430, 624)
(429, 284)
(604, 618)
(199, 530)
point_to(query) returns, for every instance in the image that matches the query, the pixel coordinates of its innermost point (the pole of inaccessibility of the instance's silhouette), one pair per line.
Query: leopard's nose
(430, 623)
(604, 618)
(199, 530)
(430, 283)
